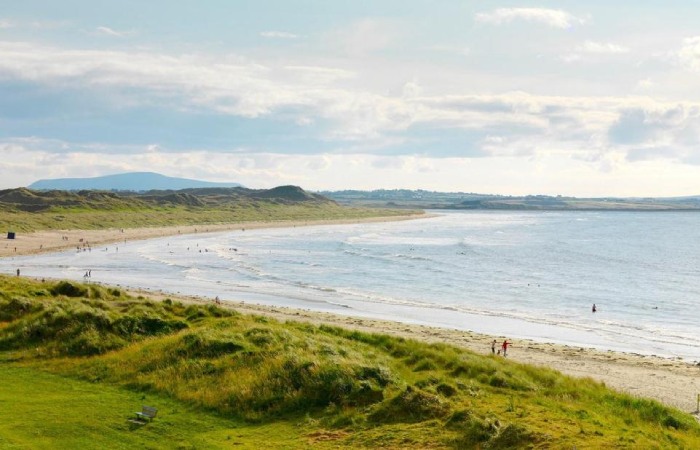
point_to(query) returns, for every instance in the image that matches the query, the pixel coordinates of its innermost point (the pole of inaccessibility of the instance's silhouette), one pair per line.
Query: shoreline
(672, 382)
(48, 241)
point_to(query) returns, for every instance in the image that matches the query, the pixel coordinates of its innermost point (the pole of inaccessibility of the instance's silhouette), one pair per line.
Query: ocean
(531, 275)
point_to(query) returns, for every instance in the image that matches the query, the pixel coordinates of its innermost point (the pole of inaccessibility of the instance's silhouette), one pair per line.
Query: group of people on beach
(504, 347)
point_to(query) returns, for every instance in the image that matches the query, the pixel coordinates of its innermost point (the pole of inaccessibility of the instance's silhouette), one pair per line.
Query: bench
(144, 416)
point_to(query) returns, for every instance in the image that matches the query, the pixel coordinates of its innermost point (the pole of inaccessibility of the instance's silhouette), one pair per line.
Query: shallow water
(517, 274)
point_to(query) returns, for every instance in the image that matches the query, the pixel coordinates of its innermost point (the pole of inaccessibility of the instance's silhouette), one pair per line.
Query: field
(77, 361)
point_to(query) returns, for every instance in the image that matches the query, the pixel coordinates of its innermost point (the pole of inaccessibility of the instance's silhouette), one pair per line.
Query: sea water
(517, 274)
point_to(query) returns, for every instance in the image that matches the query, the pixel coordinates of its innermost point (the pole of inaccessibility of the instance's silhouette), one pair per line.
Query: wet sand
(673, 382)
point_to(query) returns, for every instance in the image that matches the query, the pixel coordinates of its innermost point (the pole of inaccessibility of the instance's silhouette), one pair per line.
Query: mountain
(133, 181)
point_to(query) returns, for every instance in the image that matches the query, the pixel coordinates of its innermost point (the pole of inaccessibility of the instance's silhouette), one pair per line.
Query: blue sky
(574, 98)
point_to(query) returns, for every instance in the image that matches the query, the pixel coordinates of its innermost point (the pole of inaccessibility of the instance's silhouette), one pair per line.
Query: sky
(592, 98)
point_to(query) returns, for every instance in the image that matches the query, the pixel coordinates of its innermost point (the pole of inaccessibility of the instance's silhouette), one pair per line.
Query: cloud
(106, 31)
(555, 18)
(366, 36)
(645, 84)
(389, 162)
(278, 35)
(318, 75)
(4, 24)
(689, 54)
(324, 113)
(657, 133)
(601, 48)
(462, 51)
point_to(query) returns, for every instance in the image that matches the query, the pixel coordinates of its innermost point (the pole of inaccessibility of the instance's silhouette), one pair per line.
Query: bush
(91, 342)
(68, 289)
(200, 345)
(261, 337)
(17, 307)
(411, 405)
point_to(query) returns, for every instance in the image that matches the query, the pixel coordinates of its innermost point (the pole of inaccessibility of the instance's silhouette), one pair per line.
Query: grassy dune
(23, 210)
(89, 219)
(222, 379)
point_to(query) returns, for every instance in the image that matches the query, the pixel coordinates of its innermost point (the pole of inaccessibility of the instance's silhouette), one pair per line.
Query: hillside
(28, 210)
(22, 199)
(133, 181)
(220, 378)
(403, 198)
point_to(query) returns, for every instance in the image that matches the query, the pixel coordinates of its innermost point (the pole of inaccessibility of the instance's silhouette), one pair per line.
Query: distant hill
(404, 198)
(24, 199)
(133, 181)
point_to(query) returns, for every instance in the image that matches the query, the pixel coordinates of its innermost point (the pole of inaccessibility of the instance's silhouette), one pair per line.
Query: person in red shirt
(504, 346)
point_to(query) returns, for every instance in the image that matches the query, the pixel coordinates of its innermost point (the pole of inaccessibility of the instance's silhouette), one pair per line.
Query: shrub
(17, 307)
(411, 405)
(91, 342)
(261, 337)
(68, 289)
(201, 345)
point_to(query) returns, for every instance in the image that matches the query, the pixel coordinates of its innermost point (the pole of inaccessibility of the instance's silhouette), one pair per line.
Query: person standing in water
(594, 309)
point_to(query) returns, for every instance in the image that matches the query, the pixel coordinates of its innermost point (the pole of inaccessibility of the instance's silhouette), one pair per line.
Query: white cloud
(356, 120)
(106, 31)
(556, 18)
(462, 51)
(365, 36)
(608, 174)
(689, 55)
(412, 89)
(645, 84)
(601, 47)
(6, 24)
(571, 58)
(278, 35)
(318, 75)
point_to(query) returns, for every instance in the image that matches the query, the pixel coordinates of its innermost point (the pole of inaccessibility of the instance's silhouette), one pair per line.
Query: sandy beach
(55, 240)
(673, 382)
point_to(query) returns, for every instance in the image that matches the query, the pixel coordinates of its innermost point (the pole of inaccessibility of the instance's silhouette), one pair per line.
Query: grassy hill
(421, 199)
(27, 210)
(77, 360)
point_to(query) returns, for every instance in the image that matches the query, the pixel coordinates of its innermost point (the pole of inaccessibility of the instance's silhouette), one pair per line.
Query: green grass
(290, 384)
(40, 410)
(93, 219)
(23, 210)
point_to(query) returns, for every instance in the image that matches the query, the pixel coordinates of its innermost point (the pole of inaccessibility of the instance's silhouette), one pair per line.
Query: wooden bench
(144, 416)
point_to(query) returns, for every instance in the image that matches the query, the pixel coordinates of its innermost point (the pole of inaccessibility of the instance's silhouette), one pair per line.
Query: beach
(55, 240)
(671, 381)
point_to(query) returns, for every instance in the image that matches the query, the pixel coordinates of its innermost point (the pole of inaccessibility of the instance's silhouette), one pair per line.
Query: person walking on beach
(504, 347)
(594, 309)
(493, 347)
